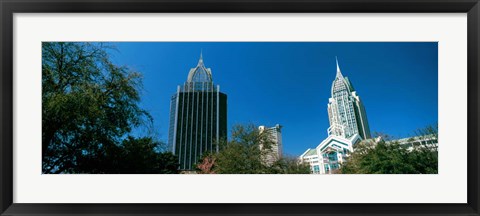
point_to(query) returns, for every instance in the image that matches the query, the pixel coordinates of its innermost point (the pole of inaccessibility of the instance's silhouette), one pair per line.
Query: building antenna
(339, 73)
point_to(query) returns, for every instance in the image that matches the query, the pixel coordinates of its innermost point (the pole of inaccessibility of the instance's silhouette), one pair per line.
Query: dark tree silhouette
(89, 106)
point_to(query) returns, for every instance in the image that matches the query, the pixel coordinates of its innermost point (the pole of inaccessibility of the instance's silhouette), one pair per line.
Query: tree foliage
(242, 154)
(89, 106)
(289, 165)
(390, 157)
(133, 156)
(245, 154)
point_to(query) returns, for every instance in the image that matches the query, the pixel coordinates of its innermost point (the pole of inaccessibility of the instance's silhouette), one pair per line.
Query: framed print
(247, 108)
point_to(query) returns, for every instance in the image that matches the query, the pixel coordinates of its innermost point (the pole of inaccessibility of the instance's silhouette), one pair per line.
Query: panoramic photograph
(308, 108)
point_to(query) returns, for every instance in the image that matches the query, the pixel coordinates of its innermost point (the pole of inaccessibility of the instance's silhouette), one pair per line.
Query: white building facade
(410, 143)
(275, 134)
(346, 112)
(348, 126)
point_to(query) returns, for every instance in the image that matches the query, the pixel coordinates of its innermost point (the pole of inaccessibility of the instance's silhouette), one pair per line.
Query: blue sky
(289, 83)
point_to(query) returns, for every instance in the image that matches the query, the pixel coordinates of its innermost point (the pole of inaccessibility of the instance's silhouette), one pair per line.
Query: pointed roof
(200, 60)
(339, 72)
(340, 75)
(340, 82)
(200, 73)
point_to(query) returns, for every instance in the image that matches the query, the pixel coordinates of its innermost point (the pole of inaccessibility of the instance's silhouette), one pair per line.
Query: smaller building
(329, 154)
(429, 141)
(310, 157)
(275, 152)
(333, 151)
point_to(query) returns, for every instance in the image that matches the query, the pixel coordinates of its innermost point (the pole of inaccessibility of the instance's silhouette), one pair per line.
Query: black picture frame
(9, 7)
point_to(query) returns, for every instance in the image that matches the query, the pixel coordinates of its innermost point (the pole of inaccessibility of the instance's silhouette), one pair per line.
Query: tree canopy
(390, 157)
(245, 153)
(89, 107)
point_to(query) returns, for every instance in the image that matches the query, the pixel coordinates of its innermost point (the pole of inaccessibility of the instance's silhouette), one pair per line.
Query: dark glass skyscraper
(198, 117)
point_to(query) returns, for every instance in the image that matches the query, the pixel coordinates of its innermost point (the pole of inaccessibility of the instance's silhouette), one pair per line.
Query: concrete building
(348, 126)
(275, 134)
(430, 141)
(346, 112)
(329, 154)
(198, 117)
(326, 158)
(311, 158)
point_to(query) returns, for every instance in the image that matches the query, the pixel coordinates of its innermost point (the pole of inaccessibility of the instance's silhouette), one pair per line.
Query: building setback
(198, 117)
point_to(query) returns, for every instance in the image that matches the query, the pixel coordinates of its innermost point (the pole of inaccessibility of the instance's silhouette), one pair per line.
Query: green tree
(389, 157)
(141, 155)
(132, 156)
(425, 154)
(384, 158)
(245, 153)
(289, 165)
(242, 154)
(89, 106)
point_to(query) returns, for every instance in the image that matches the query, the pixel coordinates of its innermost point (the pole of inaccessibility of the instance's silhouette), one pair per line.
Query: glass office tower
(198, 117)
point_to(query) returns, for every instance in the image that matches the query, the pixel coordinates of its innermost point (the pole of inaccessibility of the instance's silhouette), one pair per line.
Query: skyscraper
(198, 117)
(345, 110)
(348, 125)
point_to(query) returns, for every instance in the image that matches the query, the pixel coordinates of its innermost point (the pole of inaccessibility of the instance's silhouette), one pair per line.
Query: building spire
(200, 61)
(339, 73)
